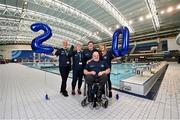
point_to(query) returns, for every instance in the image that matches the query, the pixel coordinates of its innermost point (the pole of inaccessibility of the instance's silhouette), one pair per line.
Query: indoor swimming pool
(118, 71)
(45, 44)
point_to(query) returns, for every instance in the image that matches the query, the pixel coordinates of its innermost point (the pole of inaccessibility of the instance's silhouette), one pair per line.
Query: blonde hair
(102, 45)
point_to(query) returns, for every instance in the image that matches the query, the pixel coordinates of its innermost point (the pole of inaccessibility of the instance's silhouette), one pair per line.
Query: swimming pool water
(122, 71)
(39, 65)
(118, 71)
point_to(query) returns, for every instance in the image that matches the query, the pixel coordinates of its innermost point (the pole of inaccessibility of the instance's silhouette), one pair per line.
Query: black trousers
(64, 71)
(77, 75)
(90, 79)
(109, 82)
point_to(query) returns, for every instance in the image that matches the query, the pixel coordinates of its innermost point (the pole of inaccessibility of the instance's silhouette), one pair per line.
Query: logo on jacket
(62, 53)
(105, 57)
(91, 66)
(102, 65)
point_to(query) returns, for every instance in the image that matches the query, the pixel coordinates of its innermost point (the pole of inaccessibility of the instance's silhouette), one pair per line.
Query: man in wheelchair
(96, 71)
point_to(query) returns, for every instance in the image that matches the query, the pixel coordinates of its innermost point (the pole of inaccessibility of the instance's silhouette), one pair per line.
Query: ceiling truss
(14, 19)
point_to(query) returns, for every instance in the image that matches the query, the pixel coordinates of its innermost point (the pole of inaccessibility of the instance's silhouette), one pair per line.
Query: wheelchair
(98, 98)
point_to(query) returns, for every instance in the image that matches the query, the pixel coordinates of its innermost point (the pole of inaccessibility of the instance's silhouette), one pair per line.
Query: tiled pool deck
(22, 91)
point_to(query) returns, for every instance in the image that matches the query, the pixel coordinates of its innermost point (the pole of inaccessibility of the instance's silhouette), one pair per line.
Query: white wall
(1, 53)
(5, 50)
(172, 45)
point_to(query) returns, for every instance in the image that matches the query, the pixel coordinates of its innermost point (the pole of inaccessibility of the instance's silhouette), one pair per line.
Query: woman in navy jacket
(107, 56)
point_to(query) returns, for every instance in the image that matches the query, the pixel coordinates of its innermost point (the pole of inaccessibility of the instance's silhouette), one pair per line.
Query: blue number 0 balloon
(36, 44)
(125, 42)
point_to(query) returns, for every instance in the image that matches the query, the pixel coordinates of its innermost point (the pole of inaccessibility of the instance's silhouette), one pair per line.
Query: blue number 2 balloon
(125, 42)
(36, 44)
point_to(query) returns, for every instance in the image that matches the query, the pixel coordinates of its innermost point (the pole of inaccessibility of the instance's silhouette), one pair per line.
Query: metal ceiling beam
(21, 42)
(24, 29)
(11, 32)
(154, 13)
(56, 30)
(29, 39)
(112, 10)
(59, 22)
(36, 16)
(64, 8)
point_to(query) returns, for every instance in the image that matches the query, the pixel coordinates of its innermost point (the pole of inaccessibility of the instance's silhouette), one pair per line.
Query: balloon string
(45, 77)
(45, 82)
(117, 77)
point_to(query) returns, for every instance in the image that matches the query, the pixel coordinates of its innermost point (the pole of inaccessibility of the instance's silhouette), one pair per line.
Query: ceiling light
(25, 2)
(117, 26)
(178, 7)
(130, 22)
(170, 9)
(162, 12)
(141, 18)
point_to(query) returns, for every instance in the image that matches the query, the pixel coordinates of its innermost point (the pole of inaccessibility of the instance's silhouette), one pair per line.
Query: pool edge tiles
(141, 85)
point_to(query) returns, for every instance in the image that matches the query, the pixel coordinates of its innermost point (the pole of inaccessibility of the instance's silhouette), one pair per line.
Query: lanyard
(80, 56)
(66, 52)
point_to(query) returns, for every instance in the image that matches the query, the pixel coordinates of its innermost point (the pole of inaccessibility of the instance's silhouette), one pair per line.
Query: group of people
(91, 63)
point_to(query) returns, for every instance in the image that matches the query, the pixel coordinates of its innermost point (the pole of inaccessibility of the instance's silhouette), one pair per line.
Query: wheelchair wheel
(84, 103)
(105, 104)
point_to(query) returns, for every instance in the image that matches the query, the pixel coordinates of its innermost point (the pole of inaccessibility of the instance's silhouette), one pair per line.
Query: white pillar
(34, 57)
